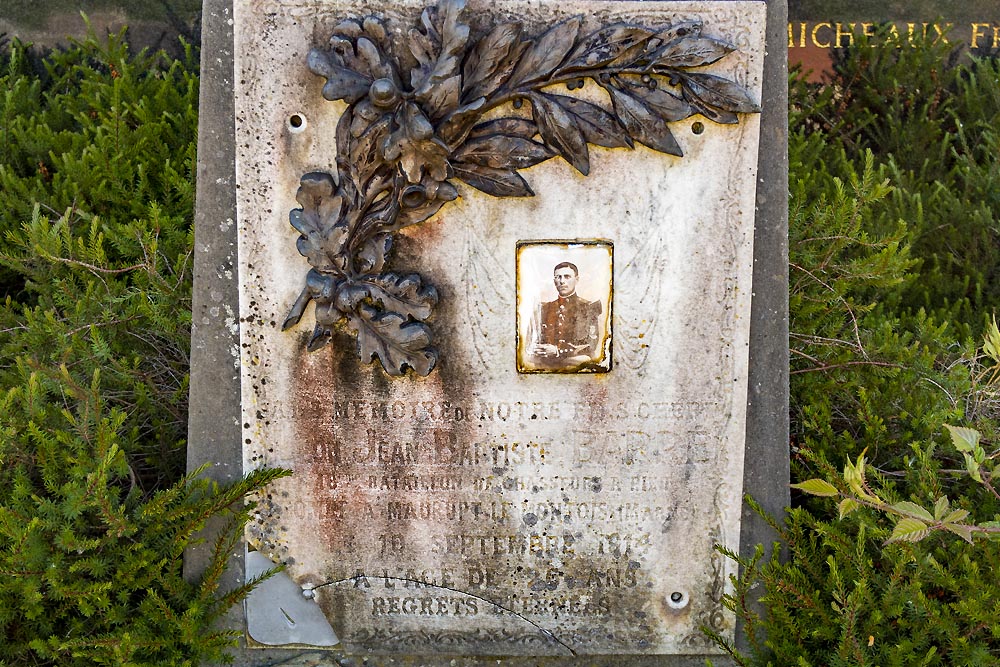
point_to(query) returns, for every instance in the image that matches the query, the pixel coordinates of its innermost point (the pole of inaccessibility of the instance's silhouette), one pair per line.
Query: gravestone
(817, 28)
(56, 23)
(506, 275)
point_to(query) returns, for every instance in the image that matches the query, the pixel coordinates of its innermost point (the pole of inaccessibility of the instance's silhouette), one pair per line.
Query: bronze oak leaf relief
(414, 124)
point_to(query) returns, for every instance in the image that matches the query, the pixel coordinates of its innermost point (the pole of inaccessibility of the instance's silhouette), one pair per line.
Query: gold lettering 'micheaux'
(839, 34)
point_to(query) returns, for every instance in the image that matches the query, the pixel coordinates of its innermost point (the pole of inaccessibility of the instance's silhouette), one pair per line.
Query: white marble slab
(480, 510)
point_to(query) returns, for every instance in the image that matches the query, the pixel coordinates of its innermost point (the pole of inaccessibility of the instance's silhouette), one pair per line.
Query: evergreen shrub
(97, 163)
(894, 259)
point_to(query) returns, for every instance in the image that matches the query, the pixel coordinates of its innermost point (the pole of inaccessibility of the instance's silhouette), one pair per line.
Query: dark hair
(570, 265)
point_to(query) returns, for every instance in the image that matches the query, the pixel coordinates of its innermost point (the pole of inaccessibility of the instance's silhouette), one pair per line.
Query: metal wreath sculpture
(414, 124)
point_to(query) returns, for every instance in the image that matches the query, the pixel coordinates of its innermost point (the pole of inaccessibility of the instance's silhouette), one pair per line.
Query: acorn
(383, 93)
(413, 196)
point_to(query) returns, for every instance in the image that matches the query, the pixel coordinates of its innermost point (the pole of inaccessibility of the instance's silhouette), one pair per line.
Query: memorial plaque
(503, 342)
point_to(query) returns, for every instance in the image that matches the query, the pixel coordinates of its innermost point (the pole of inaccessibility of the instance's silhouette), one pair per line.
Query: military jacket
(571, 324)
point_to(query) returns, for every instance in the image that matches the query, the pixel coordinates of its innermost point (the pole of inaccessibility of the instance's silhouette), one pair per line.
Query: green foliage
(934, 125)
(843, 599)
(97, 170)
(91, 569)
(894, 261)
(894, 266)
(96, 192)
(914, 521)
(863, 369)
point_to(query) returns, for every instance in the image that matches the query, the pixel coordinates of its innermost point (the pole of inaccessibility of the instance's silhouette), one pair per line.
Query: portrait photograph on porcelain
(564, 294)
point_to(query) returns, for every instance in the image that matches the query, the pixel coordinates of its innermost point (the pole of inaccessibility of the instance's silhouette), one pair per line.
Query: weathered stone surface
(57, 23)
(481, 510)
(279, 612)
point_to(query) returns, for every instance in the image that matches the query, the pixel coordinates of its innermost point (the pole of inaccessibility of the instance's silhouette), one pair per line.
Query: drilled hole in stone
(677, 600)
(296, 122)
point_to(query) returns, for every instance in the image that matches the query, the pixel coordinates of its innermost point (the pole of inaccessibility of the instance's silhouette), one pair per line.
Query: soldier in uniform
(567, 327)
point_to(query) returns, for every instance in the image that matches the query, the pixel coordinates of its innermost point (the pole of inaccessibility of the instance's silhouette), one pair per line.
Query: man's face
(565, 279)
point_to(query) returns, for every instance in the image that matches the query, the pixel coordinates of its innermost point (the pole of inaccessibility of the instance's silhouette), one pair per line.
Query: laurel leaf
(454, 33)
(599, 127)
(683, 29)
(496, 182)
(619, 43)
(456, 126)
(502, 152)
(663, 103)
(489, 55)
(524, 128)
(692, 51)
(440, 93)
(559, 130)
(546, 53)
(720, 116)
(643, 123)
(718, 93)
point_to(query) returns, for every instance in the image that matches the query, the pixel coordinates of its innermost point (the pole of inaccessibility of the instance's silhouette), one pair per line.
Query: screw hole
(677, 600)
(296, 122)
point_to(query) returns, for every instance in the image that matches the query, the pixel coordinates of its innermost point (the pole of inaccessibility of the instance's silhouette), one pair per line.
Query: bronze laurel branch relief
(414, 124)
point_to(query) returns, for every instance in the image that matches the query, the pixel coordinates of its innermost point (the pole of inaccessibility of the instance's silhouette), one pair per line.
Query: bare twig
(845, 364)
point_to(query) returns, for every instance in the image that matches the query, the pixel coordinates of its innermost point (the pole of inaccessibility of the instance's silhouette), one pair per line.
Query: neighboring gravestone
(153, 25)
(517, 423)
(816, 28)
